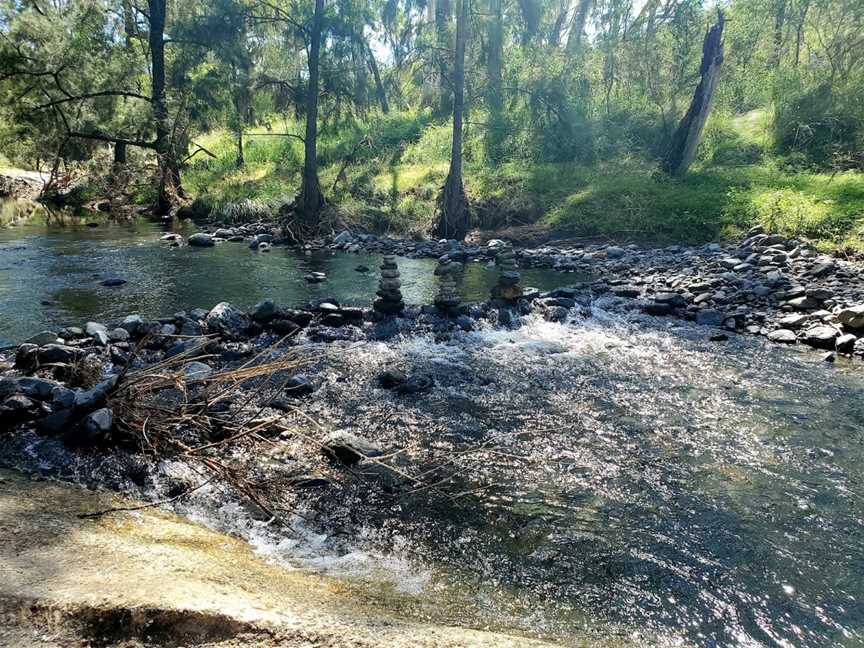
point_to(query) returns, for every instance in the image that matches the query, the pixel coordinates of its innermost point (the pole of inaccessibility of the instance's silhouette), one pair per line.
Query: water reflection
(52, 266)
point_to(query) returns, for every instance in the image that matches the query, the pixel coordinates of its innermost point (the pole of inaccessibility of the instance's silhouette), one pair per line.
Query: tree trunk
(170, 187)
(120, 153)
(442, 31)
(376, 74)
(497, 124)
(453, 217)
(577, 26)
(311, 199)
(685, 141)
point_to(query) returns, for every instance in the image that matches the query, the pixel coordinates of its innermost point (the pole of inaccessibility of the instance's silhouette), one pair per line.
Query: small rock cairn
(389, 300)
(507, 288)
(447, 300)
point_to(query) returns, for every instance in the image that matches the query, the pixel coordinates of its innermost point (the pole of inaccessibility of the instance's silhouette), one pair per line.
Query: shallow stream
(614, 476)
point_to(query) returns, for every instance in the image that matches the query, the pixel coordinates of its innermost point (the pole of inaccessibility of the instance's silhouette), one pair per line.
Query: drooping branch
(92, 95)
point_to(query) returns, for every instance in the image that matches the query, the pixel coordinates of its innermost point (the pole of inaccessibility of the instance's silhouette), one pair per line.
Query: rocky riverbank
(781, 289)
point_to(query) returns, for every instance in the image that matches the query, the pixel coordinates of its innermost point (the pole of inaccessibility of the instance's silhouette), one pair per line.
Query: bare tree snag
(685, 141)
(453, 215)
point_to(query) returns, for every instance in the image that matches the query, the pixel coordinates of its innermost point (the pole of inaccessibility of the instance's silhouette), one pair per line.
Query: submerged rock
(349, 448)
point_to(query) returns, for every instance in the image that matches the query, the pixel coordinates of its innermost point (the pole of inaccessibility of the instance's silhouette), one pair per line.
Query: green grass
(398, 166)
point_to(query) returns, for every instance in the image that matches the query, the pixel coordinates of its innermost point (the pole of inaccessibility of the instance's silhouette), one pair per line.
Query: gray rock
(264, 311)
(201, 240)
(118, 335)
(196, 370)
(821, 337)
(51, 353)
(852, 317)
(132, 323)
(228, 321)
(95, 427)
(349, 448)
(845, 343)
(101, 338)
(614, 252)
(91, 328)
(803, 303)
(783, 336)
(343, 238)
(299, 385)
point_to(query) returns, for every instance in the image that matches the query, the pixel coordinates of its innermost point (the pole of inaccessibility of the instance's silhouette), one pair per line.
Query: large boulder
(228, 321)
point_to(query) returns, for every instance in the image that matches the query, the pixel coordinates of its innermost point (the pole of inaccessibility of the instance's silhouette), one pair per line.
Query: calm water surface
(52, 266)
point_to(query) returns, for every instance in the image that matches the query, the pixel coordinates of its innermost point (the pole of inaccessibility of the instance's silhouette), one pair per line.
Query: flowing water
(52, 266)
(612, 477)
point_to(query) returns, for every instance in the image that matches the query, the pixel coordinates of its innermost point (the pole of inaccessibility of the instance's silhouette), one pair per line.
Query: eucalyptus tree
(453, 203)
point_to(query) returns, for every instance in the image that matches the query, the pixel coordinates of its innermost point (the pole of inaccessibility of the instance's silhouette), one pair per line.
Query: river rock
(349, 448)
(91, 328)
(343, 238)
(95, 427)
(845, 343)
(298, 386)
(118, 335)
(201, 240)
(821, 337)
(783, 336)
(392, 378)
(133, 324)
(196, 370)
(315, 277)
(228, 321)
(51, 353)
(264, 311)
(852, 317)
(113, 282)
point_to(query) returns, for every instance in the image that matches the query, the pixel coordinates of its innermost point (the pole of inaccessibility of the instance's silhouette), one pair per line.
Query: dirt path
(150, 578)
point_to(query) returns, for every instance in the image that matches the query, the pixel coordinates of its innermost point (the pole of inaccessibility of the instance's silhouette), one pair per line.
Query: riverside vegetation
(568, 113)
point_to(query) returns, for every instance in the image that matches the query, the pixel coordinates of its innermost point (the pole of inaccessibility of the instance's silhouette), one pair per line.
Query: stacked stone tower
(507, 288)
(448, 298)
(389, 300)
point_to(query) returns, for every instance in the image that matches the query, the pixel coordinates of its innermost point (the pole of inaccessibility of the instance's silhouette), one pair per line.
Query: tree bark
(170, 187)
(311, 199)
(685, 141)
(376, 74)
(577, 26)
(453, 216)
(442, 31)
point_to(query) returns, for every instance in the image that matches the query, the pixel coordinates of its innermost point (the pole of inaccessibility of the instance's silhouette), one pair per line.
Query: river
(612, 476)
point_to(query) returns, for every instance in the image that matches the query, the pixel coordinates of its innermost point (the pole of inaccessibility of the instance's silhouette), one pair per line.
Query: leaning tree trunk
(453, 216)
(170, 187)
(311, 199)
(376, 74)
(685, 141)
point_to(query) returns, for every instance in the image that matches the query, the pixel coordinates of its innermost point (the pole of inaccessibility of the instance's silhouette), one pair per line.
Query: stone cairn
(447, 300)
(507, 288)
(389, 300)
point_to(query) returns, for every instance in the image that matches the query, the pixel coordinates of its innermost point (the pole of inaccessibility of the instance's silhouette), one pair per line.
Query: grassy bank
(386, 176)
